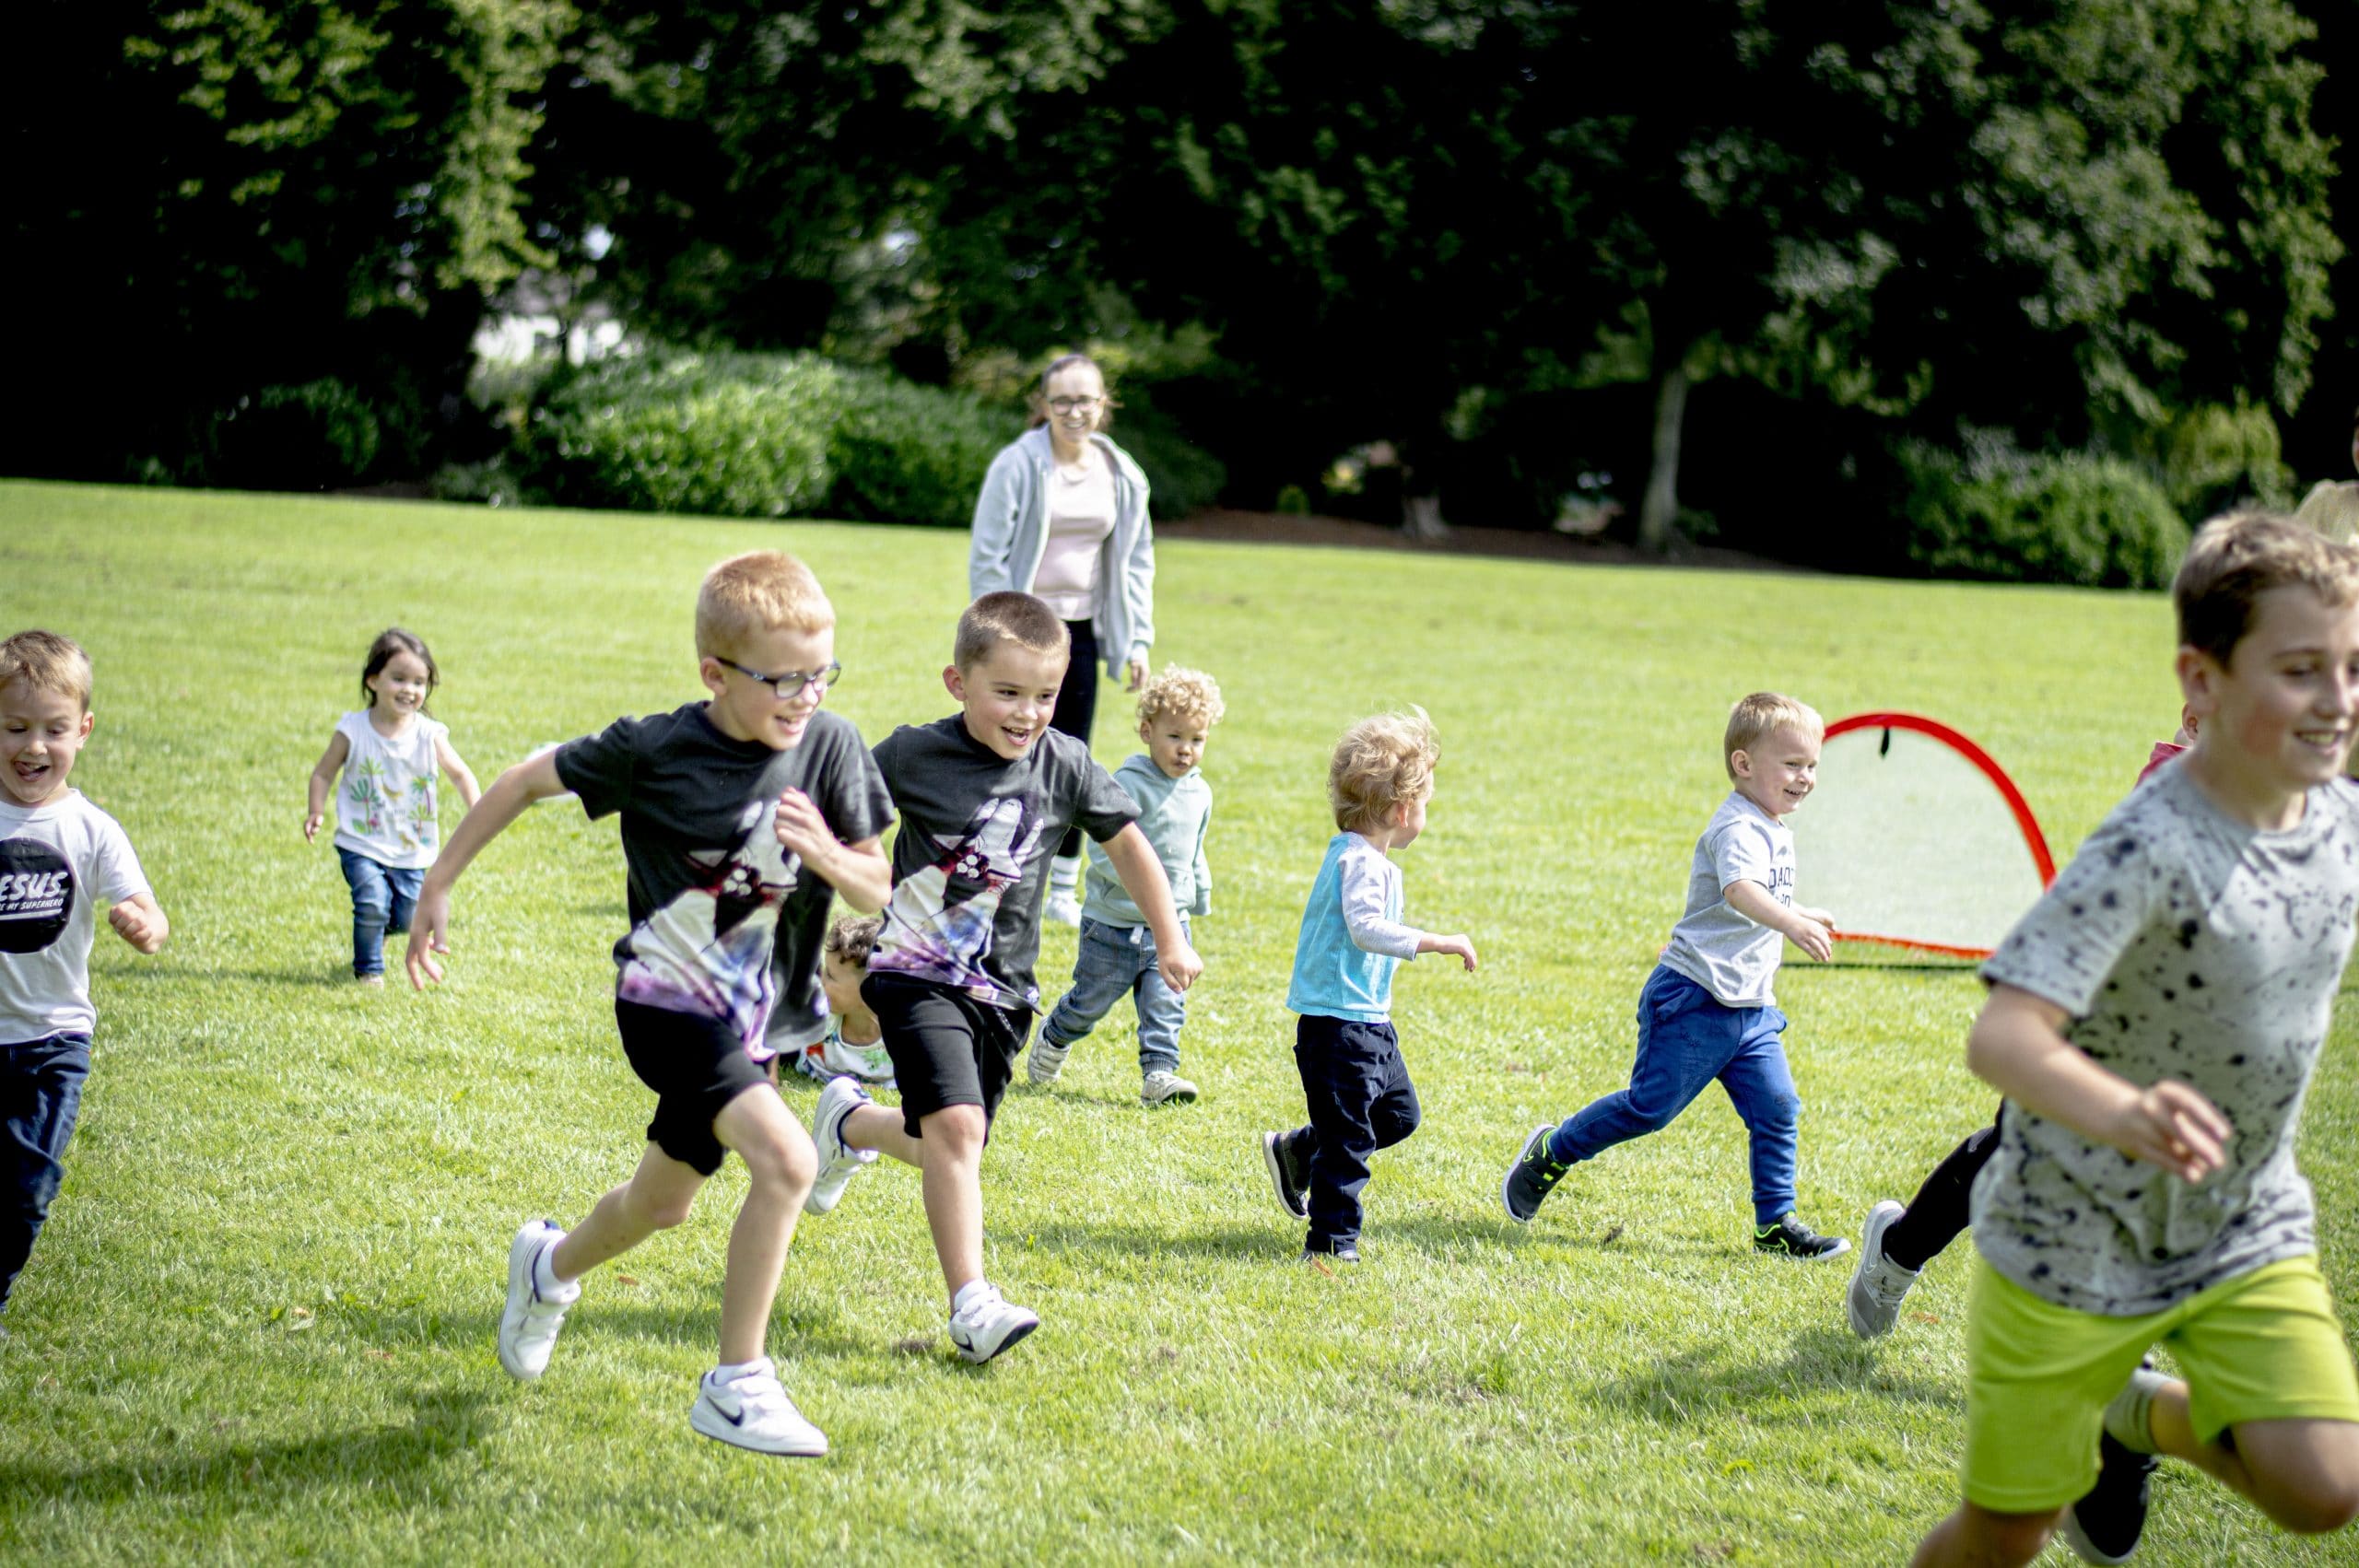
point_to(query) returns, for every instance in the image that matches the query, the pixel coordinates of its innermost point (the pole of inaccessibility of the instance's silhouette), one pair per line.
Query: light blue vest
(1333, 976)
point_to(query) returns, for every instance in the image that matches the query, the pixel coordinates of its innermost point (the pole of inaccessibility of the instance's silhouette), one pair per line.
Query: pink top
(1081, 515)
(2164, 751)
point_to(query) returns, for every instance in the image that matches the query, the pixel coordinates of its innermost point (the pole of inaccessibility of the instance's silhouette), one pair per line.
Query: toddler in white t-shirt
(386, 834)
(60, 859)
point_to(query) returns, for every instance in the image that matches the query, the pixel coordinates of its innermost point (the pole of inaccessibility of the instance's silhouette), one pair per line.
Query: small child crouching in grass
(61, 860)
(854, 1043)
(2154, 1023)
(1709, 1009)
(1176, 712)
(1354, 1080)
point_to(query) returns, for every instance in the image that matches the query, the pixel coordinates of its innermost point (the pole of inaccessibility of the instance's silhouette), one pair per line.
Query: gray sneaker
(1160, 1088)
(1878, 1284)
(1045, 1062)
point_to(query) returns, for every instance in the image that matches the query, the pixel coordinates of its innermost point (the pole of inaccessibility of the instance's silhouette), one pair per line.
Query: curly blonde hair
(1189, 693)
(1381, 763)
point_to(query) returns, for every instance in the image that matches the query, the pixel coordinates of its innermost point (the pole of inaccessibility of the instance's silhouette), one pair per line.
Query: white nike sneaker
(752, 1412)
(528, 1327)
(988, 1325)
(838, 1161)
(1878, 1285)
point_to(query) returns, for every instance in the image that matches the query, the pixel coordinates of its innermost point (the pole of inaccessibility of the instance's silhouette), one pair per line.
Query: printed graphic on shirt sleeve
(36, 895)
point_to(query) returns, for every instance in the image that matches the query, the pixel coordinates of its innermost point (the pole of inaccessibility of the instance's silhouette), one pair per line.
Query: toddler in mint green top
(1176, 711)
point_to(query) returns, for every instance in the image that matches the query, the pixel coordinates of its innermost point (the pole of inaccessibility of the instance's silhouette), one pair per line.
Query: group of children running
(2151, 1024)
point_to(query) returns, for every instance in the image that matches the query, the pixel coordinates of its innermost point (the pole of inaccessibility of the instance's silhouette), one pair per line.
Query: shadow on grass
(608, 1311)
(444, 1425)
(1703, 1382)
(330, 976)
(1280, 1238)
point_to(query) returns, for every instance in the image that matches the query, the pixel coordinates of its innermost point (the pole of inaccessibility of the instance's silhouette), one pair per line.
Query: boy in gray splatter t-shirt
(2153, 1022)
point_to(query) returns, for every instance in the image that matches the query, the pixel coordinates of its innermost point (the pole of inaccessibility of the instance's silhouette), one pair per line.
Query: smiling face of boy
(2279, 717)
(1779, 771)
(1008, 695)
(40, 732)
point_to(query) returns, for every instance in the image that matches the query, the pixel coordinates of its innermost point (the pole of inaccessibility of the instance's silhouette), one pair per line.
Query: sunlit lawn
(260, 1323)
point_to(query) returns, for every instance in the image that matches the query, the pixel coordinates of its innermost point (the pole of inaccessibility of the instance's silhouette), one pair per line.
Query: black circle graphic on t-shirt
(36, 894)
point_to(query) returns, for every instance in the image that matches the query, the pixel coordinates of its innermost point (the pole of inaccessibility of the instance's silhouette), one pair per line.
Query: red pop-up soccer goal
(1914, 839)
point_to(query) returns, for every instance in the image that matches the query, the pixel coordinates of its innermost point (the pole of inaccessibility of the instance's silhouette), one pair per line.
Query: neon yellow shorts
(2263, 1346)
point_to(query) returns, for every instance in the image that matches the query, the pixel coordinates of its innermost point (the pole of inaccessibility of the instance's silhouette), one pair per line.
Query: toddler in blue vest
(1357, 1087)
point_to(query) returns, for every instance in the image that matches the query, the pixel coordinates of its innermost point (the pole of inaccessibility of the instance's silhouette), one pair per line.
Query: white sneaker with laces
(988, 1325)
(1044, 1061)
(1160, 1087)
(752, 1412)
(528, 1327)
(838, 1161)
(1878, 1284)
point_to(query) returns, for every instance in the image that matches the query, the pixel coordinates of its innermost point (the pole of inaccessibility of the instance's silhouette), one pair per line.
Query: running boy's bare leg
(951, 1150)
(781, 1165)
(657, 1197)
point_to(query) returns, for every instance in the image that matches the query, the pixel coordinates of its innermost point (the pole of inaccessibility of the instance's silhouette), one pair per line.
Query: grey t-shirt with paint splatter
(2185, 945)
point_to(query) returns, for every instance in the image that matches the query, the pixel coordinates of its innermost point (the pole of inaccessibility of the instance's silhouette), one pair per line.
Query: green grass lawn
(260, 1322)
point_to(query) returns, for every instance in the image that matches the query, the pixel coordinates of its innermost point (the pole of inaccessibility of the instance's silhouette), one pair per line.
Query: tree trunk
(1660, 509)
(1421, 517)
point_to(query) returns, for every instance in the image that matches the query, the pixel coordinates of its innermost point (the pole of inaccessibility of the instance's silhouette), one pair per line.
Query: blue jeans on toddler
(383, 898)
(1685, 1040)
(40, 1093)
(1361, 1100)
(1114, 960)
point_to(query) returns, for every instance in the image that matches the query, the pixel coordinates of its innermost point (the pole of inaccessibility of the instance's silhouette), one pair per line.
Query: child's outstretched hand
(1814, 934)
(1179, 966)
(1459, 945)
(2172, 1125)
(311, 826)
(429, 933)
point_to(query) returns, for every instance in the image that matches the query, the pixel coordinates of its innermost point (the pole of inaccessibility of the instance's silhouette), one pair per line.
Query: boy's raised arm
(1135, 862)
(1757, 903)
(510, 795)
(2017, 1044)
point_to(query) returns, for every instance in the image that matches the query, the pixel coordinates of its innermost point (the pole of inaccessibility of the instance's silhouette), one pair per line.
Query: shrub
(740, 434)
(311, 435)
(2072, 517)
(909, 454)
(1180, 475)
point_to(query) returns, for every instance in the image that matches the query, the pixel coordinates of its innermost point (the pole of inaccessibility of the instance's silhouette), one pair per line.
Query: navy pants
(41, 1092)
(1685, 1040)
(1361, 1100)
(383, 898)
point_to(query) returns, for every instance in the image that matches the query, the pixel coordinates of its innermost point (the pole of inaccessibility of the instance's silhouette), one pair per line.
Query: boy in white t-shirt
(58, 853)
(1709, 1011)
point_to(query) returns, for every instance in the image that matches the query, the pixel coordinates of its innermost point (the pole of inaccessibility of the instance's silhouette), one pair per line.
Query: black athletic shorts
(948, 1048)
(696, 1066)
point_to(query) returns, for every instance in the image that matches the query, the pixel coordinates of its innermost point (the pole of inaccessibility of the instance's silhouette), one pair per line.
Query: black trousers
(1077, 706)
(1938, 1213)
(1361, 1100)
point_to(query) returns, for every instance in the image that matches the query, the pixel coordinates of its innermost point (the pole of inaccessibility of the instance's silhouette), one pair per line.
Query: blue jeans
(1113, 960)
(382, 898)
(41, 1092)
(1360, 1100)
(1685, 1040)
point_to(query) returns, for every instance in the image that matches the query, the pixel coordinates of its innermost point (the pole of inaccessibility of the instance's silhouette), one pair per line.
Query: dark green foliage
(2092, 522)
(907, 453)
(762, 434)
(1180, 475)
(311, 437)
(738, 435)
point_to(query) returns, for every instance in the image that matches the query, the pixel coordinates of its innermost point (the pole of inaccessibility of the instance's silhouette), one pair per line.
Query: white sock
(545, 1273)
(726, 1372)
(1064, 874)
(967, 1294)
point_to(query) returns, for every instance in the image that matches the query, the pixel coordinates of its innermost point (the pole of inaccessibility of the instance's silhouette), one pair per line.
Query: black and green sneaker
(1532, 1178)
(1790, 1238)
(2105, 1523)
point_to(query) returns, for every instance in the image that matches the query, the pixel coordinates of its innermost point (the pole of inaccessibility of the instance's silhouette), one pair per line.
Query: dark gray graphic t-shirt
(712, 892)
(2185, 945)
(972, 862)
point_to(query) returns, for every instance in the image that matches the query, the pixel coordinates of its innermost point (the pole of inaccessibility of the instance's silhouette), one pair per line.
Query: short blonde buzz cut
(761, 591)
(47, 662)
(1380, 764)
(1756, 718)
(1007, 616)
(1181, 693)
(2238, 558)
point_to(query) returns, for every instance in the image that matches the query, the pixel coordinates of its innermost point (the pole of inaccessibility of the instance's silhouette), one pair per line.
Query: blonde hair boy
(1380, 765)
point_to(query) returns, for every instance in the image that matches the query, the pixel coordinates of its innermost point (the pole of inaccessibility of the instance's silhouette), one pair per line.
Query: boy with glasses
(740, 816)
